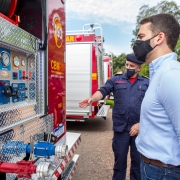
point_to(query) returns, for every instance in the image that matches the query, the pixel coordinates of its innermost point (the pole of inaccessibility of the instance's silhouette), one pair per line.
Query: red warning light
(78, 38)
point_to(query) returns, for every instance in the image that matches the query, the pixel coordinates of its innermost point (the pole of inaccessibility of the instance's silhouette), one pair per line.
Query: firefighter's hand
(134, 130)
(86, 102)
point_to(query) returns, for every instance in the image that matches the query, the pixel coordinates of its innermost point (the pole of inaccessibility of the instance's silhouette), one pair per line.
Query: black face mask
(130, 72)
(142, 48)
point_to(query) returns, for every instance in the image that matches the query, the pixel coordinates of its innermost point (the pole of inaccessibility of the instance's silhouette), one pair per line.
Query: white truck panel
(105, 71)
(78, 77)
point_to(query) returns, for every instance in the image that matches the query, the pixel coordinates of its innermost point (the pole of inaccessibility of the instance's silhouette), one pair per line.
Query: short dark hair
(167, 24)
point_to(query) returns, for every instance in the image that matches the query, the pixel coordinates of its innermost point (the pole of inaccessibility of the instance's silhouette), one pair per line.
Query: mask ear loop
(152, 38)
(155, 46)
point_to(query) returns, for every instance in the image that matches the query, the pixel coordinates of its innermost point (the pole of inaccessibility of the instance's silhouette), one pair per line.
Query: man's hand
(134, 130)
(86, 102)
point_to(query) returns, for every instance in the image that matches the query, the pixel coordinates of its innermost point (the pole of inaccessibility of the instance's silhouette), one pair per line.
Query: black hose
(5, 6)
(8, 91)
(1, 2)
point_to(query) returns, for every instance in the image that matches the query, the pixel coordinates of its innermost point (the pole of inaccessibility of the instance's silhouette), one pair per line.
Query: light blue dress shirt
(159, 134)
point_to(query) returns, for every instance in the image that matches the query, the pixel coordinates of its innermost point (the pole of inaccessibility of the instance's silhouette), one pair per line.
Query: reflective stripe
(94, 76)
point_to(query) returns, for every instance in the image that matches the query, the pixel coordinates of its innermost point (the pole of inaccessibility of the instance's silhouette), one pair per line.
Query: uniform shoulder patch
(145, 77)
(117, 74)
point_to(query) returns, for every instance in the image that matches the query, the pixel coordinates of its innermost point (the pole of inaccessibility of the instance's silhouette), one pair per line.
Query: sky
(117, 18)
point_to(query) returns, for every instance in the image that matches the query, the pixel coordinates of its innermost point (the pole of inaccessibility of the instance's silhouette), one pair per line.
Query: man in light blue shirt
(159, 134)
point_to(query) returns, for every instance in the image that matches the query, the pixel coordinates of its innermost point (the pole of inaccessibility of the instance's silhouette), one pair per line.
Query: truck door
(79, 77)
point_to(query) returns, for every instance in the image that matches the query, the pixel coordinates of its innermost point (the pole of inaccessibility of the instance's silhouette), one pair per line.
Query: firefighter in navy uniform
(129, 89)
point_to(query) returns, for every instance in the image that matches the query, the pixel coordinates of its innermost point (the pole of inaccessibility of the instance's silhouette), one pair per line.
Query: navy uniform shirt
(127, 100)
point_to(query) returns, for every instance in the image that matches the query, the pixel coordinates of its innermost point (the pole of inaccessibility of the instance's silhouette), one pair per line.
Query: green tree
(177, 49)
(162, 7)
(144, 70)
(118, 62)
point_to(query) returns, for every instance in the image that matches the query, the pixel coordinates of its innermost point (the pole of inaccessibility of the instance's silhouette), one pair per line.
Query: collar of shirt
(155, 64)
(124, 76)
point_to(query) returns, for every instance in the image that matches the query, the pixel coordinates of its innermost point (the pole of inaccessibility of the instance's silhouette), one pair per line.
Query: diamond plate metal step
(71, 168)
(103, 111)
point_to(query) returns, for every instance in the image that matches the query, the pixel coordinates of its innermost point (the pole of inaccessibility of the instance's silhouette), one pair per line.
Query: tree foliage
(119, 62)
(144, 70)
(177, 49)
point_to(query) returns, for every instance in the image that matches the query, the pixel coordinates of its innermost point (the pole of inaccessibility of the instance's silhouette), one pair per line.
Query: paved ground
(96, 156)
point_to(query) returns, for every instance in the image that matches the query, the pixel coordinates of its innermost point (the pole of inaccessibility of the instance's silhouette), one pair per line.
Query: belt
(156, 162)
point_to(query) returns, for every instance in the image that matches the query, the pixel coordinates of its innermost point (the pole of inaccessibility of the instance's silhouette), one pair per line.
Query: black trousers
(121, 143)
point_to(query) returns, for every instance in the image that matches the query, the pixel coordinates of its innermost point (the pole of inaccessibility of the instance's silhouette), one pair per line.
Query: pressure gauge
(23, 62)
(5, 58)
(16, 61)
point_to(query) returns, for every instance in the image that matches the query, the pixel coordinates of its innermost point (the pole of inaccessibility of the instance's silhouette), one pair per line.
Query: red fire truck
(34, 143)
(84, 71)
(107, 68)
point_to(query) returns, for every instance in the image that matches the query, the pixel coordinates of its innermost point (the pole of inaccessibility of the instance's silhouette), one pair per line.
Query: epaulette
(145, 77)
(117, 74)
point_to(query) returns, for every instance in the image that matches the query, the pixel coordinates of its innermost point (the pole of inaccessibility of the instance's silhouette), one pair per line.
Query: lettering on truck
(70, 39)
(55, 65)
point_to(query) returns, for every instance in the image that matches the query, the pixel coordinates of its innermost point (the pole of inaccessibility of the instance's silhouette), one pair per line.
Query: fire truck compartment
(78, 77)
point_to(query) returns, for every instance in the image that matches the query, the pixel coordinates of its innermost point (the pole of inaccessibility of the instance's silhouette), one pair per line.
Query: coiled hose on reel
(5, 6)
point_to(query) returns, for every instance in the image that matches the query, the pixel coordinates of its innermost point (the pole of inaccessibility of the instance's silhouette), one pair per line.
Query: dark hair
(167, 24)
